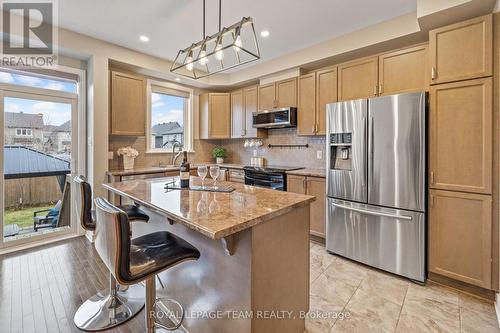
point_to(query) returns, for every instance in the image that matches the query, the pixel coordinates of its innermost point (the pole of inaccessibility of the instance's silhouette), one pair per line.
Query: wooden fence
(31, 191)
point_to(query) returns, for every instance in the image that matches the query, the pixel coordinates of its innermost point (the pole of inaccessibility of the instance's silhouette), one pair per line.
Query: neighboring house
(57, 139)
(24, 129)
(165, 134)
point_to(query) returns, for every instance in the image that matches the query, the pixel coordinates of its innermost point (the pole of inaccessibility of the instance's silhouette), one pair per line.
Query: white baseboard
(497, 307)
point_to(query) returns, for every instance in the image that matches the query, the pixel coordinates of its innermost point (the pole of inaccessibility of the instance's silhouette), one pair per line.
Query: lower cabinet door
(460, 236)
(296, 184)
(316, 187)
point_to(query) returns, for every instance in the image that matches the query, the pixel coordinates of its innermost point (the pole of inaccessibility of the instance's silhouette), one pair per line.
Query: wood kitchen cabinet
(460, 236)
(461, 51)
(278, 94)
(358, 79)
(243, 104)
(237, 114)
(267, 96)
(306, 111)
(315, 186)
(128, 104)
(326, 93)
(403, 71)
(315, 91)
(286, 93)
(215, 116)
(460, 141)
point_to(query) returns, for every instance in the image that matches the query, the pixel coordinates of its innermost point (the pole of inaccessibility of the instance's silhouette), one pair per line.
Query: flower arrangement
(128, 154)
(127, 151)
(219, 153)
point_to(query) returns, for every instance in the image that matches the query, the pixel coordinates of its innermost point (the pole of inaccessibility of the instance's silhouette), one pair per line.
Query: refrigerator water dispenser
(341, 151)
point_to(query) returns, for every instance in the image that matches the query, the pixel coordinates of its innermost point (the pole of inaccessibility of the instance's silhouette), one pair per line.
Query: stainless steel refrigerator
(376, 165)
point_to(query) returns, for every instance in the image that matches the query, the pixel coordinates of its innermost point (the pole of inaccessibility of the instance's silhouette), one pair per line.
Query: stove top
(271, 168)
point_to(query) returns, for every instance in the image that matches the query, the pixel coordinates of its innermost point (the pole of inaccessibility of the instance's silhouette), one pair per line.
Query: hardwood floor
(41, 288)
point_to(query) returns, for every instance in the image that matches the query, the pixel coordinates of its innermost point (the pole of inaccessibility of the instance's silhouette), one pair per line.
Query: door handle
(375, 90)
(380, 89)
(432, 177)
(371, 148)
(370, 212)
(433, 73)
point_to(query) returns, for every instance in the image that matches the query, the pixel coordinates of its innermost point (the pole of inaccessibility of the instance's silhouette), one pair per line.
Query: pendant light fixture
(229, 47)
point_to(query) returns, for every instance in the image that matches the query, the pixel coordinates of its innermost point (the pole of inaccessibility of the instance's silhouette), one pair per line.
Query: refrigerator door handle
(370, 212)
(370, 150)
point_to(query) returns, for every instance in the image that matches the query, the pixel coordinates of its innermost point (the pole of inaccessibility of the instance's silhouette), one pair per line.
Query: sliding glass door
(39, 137)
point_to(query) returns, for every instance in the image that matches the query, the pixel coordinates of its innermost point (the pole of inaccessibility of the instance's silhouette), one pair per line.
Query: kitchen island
(253, 273)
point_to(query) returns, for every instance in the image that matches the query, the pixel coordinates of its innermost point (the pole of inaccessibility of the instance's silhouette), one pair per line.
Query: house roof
(24, 120)
(171, 127)
(25, 162)
(64, 127)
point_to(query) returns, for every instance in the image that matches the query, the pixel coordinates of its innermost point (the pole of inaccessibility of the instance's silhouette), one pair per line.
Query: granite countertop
(215, 215)
(309, 172)
(156, 169)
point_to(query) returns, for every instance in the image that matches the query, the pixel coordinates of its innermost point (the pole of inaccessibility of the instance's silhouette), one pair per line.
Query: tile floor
(374, 301)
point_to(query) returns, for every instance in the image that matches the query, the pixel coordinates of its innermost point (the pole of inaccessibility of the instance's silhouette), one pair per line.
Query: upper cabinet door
(326, 93)
(306, 111)
(267, 97)
(403, 71)
(219, 108)
(358, 79)
(250, 101)
(461, 51)
(286, 93)
(237, 115)
(128, 104)
(460, 141)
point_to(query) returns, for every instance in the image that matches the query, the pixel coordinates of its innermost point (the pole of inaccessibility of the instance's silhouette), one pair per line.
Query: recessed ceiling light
(177, 79)
(144, 39)
(264, 33)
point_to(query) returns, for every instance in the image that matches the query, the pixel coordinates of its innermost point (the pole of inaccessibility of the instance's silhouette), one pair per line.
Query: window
(38, 81)
(24, 132)
(169, 117)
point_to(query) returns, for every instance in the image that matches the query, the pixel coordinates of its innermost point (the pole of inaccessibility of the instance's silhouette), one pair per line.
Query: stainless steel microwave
(276, 118)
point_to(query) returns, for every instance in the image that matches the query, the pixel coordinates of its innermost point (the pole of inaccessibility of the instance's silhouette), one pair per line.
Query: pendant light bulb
(219, 54)
(189, 61)
(237, 41)
(203, 55)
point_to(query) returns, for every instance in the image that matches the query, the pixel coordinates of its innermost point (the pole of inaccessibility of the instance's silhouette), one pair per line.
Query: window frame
(187, 116)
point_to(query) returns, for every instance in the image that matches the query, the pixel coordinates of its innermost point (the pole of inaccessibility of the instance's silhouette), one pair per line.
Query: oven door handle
(263, 180)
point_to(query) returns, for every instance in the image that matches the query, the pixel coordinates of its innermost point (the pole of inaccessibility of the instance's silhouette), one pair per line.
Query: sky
(53, 113)
(166, 108)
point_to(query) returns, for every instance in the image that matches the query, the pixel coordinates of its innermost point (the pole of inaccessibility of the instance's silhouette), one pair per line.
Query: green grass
(23, 217)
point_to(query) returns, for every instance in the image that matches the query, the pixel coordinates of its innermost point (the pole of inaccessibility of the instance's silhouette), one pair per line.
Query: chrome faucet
(175, 157)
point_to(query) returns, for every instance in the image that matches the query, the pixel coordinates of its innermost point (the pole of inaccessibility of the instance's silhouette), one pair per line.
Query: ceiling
(175, 24)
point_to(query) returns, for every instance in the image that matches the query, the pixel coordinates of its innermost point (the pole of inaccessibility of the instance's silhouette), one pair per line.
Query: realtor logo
(29, 33)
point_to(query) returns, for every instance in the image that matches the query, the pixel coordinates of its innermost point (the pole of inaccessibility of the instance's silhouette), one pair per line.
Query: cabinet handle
(304, 184)
(432, 201)
(433, 73)
(316, 128)
(380, 89)
(313, 129)
(243, 132)
(432, 177)
(375, 90)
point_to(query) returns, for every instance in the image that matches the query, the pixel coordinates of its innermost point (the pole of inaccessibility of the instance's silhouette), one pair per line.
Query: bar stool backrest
(86, 219)
(112, 239)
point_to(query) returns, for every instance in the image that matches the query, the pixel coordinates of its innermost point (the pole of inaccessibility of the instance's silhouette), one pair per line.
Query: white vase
(128, 162)
(219, 160)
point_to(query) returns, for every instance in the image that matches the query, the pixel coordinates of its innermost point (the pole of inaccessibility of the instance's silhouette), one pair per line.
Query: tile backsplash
(304, 157)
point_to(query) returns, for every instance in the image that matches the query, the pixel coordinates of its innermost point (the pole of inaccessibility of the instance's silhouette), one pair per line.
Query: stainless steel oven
(276, 118)
(269, 177)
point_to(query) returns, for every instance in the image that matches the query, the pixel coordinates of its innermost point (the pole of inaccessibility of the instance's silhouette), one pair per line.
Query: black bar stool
(113, 306)
(139, 259)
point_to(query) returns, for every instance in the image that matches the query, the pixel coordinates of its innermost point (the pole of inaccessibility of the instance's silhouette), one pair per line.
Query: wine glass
(214, 173)
(202, 173)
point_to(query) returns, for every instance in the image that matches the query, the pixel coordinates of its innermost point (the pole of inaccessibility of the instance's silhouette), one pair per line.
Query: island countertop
(213, 214)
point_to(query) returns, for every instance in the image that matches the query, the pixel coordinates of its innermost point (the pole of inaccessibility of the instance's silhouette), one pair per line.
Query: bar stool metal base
(108, 309)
